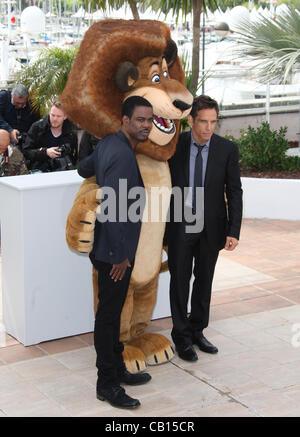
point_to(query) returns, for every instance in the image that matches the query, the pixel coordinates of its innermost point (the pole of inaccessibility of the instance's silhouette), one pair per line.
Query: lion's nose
(181, 105)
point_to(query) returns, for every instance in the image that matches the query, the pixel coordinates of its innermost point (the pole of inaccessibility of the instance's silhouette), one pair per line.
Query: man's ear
(125, 120)
(190, 120)
(126, 75)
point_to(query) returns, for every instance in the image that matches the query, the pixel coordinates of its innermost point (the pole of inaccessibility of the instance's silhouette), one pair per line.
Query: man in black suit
(206, 160)
(16, 112)
(115, 243)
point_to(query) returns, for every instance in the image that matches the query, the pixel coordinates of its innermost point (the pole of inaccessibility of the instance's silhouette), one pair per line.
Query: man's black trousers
(109, 348)
(183, 250)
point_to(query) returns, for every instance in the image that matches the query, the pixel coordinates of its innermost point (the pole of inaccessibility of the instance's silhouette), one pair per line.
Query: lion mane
(93, 100)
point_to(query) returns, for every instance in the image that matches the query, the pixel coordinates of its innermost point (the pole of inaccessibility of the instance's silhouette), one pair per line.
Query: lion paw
(81, 219)
(156, 348)
(134, 359)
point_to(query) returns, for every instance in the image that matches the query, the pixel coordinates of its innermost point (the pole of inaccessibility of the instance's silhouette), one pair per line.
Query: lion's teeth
(164, 128)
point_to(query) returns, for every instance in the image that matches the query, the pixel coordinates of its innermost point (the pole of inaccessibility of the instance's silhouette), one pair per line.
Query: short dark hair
(133, 101)
(203, 102)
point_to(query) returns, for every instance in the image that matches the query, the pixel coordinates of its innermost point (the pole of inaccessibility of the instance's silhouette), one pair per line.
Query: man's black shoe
(134, 378)
(117, 397)
(187, 353)
(204, 345)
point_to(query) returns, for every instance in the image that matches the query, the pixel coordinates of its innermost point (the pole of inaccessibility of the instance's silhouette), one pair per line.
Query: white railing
(247, 96)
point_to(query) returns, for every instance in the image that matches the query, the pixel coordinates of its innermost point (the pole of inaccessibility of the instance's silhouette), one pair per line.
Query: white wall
(271, 198)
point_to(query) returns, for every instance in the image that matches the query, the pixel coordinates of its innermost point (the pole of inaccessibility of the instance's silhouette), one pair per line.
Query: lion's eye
(165, 73)
(156, 78)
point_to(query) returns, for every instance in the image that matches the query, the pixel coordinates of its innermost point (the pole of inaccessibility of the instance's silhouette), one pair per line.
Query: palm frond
(274, 43)
(47, 76)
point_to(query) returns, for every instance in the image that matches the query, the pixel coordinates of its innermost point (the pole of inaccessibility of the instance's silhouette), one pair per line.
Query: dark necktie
(197, 173)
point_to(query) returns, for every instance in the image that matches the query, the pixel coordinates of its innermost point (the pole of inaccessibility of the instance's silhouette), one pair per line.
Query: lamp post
(203, 52)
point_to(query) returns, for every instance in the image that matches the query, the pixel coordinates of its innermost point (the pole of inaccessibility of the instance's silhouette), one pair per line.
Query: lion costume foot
(156, 348)
(134, 358)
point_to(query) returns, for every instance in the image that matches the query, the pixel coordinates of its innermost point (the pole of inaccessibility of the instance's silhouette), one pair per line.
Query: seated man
(51, 143)
(16, 114)
(11, 158)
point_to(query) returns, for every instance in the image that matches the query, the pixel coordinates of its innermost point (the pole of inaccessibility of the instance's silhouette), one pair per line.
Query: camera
(21, 140)
(64, 149)
(64, 162)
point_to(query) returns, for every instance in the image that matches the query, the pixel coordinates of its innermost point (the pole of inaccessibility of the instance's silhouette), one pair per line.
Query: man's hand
(118, 270)
(13, 136)
(231, 243)
(53, 153)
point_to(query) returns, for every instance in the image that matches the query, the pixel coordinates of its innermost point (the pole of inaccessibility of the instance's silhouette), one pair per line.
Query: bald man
(12, 161)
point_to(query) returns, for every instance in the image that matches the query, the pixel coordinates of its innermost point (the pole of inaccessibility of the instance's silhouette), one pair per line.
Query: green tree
(274, 44)
(47, 76)
(265, 149)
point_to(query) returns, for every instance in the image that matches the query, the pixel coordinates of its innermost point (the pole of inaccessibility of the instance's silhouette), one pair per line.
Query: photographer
(16, 114)
(51, 143)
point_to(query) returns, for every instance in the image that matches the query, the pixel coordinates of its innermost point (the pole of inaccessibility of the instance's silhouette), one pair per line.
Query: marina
(233, 81)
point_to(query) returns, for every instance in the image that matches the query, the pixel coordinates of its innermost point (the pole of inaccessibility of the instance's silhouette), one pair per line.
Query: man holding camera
(51, 143)
(16, 113)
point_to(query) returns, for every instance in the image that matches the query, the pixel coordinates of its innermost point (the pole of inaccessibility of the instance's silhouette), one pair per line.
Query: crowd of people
(31, 144)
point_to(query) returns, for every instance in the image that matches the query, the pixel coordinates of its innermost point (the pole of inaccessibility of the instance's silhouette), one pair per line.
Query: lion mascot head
(120, 58)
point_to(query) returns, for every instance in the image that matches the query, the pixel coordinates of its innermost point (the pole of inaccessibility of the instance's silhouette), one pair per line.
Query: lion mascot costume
(118, 59)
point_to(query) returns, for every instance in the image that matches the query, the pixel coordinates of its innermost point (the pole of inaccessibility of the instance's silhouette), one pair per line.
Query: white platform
(47, 288)
(271, 198)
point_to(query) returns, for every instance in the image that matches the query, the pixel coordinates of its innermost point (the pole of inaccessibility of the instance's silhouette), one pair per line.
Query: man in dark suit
(16, 113)
(115, 244)
(206, 160)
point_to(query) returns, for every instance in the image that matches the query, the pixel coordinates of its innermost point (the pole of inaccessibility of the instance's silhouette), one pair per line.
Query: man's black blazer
(11, 118)
(221, 217)
(112, 160)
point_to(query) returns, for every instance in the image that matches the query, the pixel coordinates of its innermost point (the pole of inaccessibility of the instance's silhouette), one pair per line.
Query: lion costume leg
(156, 347)
(134, 358)
(143, 348)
